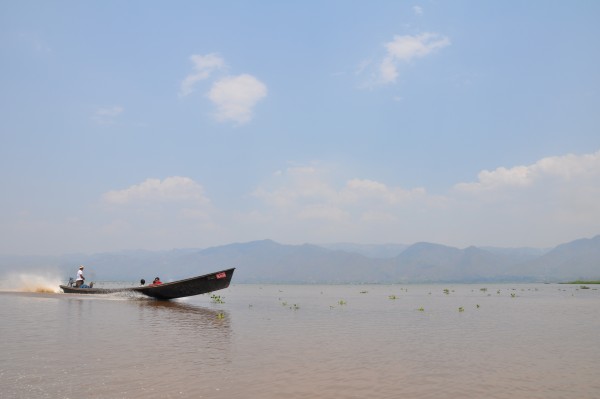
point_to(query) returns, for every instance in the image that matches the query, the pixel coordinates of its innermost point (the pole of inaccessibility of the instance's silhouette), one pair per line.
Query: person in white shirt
(79, 280)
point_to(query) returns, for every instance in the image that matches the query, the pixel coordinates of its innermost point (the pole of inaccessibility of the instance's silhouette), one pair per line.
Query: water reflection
(253, 347)
(182, 315)
(116, 347)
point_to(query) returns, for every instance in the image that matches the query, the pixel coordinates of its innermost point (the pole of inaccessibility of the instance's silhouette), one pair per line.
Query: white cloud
(204, 66)
(547, 202)
(306, 191)
(564, 168)
(418, 10)
(404, 49)
(551, 201)
(294, 186)
(360, 189)
(236, 97)
(154, 190)
(158, 214)
(107, 115)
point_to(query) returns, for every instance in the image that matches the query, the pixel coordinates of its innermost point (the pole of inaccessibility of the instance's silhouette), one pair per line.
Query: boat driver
(80, 278)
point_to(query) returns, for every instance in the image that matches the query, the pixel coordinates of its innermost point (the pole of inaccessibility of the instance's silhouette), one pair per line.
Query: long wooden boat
(176, 289)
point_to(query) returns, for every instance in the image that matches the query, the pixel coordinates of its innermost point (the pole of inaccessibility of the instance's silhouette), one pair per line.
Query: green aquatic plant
(217, 298)
(392, 297)
(513, 295)
(483, 289)
(220, 315)
(461, 309)
(294, 307)
(342, 302)
(477, 306)
(584, 287)
(446, 291)
(283, 303)
(364, 292)
(421, 309)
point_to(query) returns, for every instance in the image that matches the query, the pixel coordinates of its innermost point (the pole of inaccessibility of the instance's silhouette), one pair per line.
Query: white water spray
(30, 282)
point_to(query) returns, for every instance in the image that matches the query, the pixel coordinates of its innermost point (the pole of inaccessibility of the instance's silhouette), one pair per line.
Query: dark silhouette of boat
(175, 289)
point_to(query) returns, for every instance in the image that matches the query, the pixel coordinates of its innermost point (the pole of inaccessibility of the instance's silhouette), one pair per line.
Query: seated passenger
(156, 281)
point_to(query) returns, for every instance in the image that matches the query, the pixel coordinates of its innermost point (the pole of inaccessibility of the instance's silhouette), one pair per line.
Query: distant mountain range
(270, 262)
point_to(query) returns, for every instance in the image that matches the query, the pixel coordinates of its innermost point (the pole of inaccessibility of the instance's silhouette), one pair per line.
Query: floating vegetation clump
(342, 302)
(421, 309)
(483, 289)
(364, 292)
(217, 298)
(446, 291)
(513, 295)
(392, 297)
(220, 315)
(461, 309)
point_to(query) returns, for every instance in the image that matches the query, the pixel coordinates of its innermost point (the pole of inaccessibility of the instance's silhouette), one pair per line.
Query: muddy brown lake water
(306, 341)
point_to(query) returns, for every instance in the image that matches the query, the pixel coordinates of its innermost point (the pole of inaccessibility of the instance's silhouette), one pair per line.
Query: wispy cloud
(171, 189)
(305, 191)
(204, 66)
(404, 49)
(418, 10)
(236, 97)
(107, 115)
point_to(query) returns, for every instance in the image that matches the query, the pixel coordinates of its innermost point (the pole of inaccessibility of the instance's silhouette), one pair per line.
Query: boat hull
(176, 289)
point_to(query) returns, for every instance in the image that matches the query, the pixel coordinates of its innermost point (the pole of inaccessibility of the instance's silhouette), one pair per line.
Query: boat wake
(29, 282)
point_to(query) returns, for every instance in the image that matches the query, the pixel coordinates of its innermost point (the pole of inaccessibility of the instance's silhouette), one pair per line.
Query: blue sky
(156, 125)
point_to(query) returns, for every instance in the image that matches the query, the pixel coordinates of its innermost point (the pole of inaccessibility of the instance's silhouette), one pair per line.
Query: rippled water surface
(306, 341)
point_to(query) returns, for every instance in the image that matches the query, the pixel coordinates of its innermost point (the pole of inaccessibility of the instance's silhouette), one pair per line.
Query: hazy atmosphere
(156, 125)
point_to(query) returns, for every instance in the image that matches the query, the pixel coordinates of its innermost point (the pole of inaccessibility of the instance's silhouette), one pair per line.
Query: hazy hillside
(270, 262)
(383, 251)
(579, 259)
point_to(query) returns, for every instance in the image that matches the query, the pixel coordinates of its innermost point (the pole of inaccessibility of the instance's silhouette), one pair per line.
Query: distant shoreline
(583, 282)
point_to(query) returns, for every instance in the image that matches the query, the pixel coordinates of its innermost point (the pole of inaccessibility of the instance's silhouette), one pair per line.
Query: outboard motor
(71, 281)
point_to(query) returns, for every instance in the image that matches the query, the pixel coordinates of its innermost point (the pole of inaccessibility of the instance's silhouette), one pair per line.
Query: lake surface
(306, 341)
